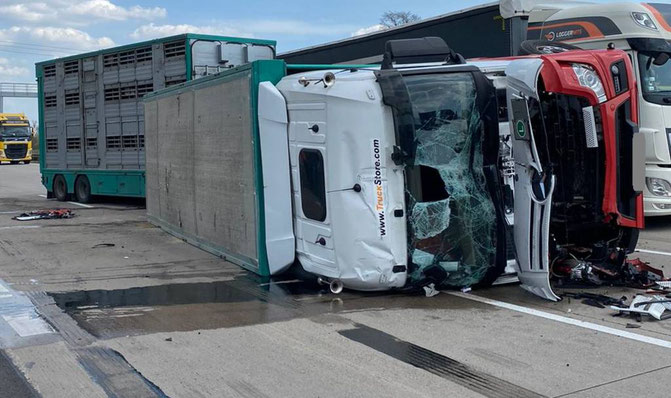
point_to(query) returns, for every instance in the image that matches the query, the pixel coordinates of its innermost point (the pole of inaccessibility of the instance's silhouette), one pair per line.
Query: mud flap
(534, 186)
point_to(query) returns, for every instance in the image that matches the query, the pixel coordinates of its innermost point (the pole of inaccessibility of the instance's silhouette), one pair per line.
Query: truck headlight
(587, 77)
(658, 186)
(644, 20)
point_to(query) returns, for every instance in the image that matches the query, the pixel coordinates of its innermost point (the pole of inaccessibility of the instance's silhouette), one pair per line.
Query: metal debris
(653, 306)
(45, 214)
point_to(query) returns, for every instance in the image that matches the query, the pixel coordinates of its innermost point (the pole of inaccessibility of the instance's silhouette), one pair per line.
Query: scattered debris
(466, 289)
(654, 306)
(103, 245)
(168, 339)
(641, 274)
(45, 214)
(430, 290)
(573, 272)
(597, 300)
(633, 326)
(664, 284)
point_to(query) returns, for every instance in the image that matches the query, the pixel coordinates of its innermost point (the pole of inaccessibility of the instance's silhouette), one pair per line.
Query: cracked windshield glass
(452, 218)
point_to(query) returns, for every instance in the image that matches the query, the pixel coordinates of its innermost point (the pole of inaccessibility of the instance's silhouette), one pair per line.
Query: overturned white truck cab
(391, 177)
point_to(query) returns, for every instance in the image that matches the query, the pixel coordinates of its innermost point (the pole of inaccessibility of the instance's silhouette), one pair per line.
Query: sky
(38, 30)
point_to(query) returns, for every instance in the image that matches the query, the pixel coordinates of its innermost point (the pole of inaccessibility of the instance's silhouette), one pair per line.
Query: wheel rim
(83, 188)
(60, 186)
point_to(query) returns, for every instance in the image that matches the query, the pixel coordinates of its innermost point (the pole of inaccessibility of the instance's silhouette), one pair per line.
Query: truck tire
(26, 162)
(14, 162)
(529, 47)
(60, 188)
(82, 189)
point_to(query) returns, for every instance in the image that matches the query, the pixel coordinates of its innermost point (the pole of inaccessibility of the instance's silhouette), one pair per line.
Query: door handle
(321, 241)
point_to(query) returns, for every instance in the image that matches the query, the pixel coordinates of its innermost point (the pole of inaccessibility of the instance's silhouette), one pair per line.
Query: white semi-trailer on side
(387, 177)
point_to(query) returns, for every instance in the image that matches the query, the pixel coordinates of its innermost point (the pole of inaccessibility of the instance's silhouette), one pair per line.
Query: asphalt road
(105, 304)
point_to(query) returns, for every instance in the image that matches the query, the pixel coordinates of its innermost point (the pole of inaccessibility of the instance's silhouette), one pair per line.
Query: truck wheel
(26, 162)
(14, 162)
(60, 188)
(82, 189)
(529, 47)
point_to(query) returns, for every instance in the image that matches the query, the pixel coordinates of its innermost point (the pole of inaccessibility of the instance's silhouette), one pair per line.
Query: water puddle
(246, 300)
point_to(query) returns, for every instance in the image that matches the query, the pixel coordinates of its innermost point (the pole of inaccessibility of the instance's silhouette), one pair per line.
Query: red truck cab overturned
(579, 166)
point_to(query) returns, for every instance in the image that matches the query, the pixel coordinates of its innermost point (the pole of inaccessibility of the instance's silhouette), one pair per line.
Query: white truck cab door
(534, 186)
(307, 146)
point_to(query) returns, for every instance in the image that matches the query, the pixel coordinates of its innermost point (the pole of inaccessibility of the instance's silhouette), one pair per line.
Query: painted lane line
(28, 324)
(653, 252)
(22, 227)
(570, 321)
(11, 212)
(19, 313)
(81, 204)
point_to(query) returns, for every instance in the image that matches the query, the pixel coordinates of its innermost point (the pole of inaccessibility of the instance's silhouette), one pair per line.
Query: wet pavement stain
(245, 300)
(437, 364)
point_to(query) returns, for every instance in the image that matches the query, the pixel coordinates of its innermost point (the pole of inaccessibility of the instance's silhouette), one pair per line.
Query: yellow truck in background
(15, 138)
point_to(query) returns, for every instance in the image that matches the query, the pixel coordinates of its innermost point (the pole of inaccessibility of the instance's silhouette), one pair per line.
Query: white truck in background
(643, 30)
(389, 177)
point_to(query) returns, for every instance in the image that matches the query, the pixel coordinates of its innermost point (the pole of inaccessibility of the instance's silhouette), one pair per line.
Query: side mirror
(661, 59)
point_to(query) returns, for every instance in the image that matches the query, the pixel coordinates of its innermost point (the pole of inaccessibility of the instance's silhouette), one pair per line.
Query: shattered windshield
(15, 132)
(451, 215)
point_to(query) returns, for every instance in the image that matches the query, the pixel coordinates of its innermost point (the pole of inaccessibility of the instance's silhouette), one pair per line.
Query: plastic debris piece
(664, 284)
(45, 214)
(654, 306)
(598, 298)
(640, 273)
(430, 290)
(633, 326)
(103, 245)
(466, 289)
(593, 303)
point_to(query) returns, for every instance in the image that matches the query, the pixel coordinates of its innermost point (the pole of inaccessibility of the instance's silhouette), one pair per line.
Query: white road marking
(28, 324)
(563, 319)
(81, 204)
(653, 252)
(11, 212)
(42, 196)
(19, 313)
(22, 227)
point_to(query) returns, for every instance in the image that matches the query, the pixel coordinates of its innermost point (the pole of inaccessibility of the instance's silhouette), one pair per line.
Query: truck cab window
(655, 79)
(313, 187)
